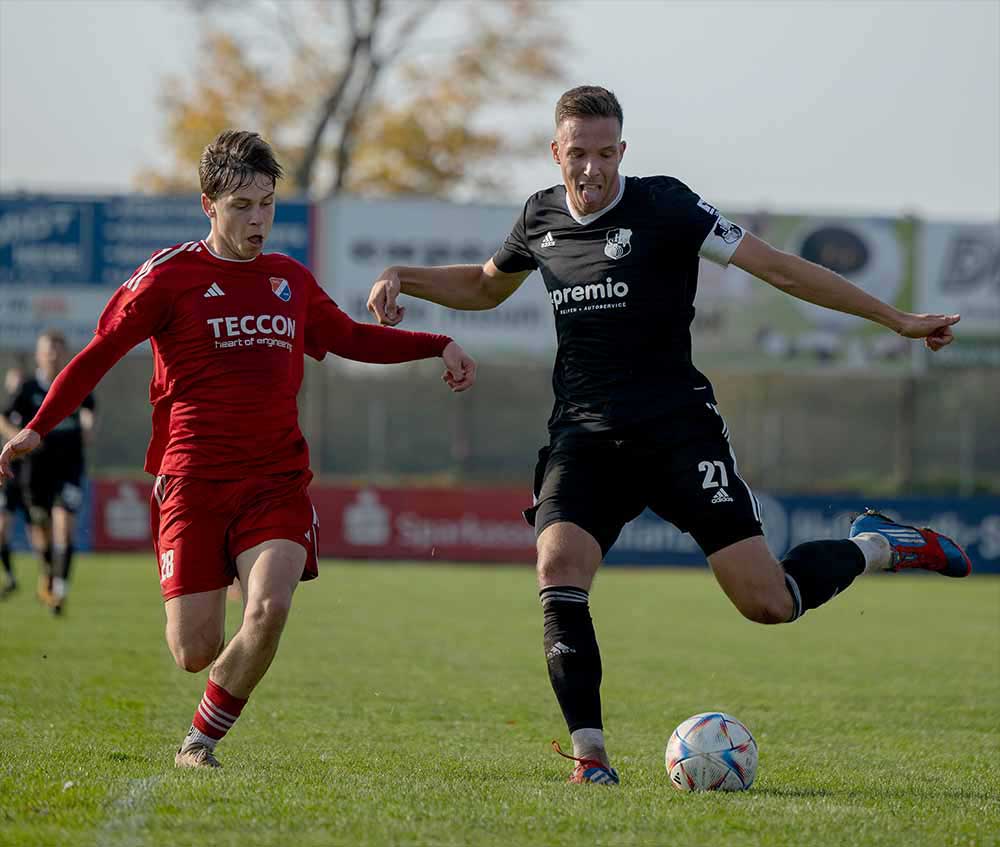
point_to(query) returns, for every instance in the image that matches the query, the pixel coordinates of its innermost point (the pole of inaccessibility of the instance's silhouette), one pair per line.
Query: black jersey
(622, 283)
(64, 444)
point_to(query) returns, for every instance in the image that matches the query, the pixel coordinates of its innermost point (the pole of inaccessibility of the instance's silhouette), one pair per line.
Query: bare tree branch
(375, 66)
(325, 108)
(407, 28)
(286, 24)
(359, 42)
(346, 144)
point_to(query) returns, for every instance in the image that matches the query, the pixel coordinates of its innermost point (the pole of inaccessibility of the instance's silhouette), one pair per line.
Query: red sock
(217, 711)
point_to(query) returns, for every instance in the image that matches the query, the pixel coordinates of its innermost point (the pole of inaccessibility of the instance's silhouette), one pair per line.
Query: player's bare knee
(194, 656)
(766, 607)
(268, 613)
(558, 567)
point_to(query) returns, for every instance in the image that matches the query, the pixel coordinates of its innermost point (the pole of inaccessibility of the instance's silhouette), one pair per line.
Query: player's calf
(817, 571)
(572, 655)
(10, 581)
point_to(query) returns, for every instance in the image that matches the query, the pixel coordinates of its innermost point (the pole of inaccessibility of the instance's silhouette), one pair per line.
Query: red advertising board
(121, 514)
(474, 525)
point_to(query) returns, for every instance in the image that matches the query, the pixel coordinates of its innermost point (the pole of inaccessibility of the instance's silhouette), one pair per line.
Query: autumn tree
(367, 96)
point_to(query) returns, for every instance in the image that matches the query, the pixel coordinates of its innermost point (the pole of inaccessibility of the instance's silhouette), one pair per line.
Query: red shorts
(200, 526)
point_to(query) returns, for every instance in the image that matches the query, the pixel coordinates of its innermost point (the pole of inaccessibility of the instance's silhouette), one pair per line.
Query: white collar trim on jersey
(586, 219)
(223, 258)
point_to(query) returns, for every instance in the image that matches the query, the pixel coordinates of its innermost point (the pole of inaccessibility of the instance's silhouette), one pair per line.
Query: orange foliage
(418, 127)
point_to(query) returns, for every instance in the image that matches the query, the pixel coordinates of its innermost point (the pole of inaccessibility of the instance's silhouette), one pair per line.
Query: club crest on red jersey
(281, 289)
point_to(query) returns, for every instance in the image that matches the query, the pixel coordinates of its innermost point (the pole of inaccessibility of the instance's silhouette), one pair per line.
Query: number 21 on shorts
(709, 469)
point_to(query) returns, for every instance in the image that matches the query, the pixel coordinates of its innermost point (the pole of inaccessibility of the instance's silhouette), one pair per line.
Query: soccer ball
(711, 752)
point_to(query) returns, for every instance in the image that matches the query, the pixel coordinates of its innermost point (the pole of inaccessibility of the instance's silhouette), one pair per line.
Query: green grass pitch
(409, 704)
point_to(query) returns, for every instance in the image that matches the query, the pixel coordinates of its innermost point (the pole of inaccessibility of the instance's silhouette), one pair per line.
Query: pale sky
(814, 105)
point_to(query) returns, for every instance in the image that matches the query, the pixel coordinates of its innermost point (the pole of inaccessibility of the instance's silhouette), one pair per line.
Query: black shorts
(11, 498)
(47, 485)
(684, 471)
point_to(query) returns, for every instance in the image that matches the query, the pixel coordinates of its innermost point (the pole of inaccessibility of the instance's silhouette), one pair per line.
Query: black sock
(62, 559)
(5, 558)
(818, 571)
(45, 560)
(572, 655)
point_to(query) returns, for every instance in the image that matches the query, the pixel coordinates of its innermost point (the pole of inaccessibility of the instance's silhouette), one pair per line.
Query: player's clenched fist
(382, 299)
(935, 330)
(460, 367)
(20, 445)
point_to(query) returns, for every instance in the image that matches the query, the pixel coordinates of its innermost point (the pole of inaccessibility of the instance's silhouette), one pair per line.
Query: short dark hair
(232, 161)
(589, 101)
(55, 336)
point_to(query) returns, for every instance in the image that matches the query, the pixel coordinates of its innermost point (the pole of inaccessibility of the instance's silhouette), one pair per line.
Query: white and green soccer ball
(711, 751)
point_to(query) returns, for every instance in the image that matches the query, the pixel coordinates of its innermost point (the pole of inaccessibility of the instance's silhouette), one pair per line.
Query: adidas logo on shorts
(721, 496)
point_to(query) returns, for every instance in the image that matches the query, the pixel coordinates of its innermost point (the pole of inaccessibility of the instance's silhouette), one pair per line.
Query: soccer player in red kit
(229, 327)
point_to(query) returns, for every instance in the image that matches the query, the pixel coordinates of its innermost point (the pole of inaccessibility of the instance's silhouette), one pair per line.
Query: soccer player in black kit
(51, 479)
(635, 424)
(11, 501)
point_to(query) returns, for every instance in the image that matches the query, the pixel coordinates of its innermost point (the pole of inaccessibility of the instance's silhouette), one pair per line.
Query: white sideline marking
(128, 814)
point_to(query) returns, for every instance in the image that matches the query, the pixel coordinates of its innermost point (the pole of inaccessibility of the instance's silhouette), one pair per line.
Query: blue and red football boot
(923, 549)
(589, 770)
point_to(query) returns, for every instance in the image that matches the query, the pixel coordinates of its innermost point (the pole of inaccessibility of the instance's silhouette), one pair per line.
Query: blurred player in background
(230, 327)
(635, 424)
(51, 480)
(11, 501)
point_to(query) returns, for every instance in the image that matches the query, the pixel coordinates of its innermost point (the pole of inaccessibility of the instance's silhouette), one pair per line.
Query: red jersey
(229, 338)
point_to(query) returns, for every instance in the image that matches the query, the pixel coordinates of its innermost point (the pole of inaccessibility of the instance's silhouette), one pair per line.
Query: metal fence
(817, 432)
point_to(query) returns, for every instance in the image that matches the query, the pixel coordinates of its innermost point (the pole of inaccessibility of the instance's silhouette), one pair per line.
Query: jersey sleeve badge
(722, 239)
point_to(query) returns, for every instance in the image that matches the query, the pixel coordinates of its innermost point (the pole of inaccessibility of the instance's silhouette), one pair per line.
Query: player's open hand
(935, 330)
(20, 445)
(460, 368)
(382, 299)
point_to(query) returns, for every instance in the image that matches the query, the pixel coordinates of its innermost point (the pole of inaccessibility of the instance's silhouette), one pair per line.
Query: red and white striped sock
(216, 713)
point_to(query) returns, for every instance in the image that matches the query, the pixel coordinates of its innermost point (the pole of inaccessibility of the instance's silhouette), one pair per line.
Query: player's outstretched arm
(816, 284)
(68, 391)
(464, 287)
(331, 330)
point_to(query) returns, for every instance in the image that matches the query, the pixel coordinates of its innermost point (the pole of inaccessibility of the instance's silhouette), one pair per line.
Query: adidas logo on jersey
(548, 241)
(721, 496)
(215, 291)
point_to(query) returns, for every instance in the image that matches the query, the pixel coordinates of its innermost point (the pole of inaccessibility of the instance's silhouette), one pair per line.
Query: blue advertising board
(55, 240)
(974, 522)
